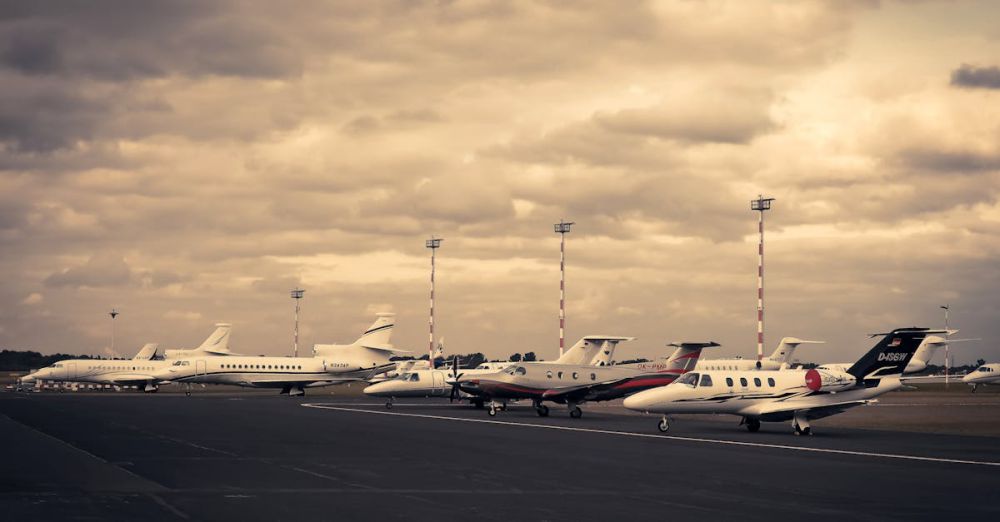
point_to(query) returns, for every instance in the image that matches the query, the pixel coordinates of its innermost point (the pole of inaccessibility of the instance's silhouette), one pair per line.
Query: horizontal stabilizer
(693, 345)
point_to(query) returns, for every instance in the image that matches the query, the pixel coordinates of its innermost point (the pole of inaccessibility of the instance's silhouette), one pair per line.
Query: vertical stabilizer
(783, 353)
(589, 349)
(147, 352)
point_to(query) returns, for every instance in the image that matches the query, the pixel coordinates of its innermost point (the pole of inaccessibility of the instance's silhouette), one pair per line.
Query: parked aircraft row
(766, 391)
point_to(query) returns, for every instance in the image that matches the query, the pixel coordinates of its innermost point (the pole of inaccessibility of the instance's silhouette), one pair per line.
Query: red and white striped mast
(760, 205)
(562, 228)
(433, 244)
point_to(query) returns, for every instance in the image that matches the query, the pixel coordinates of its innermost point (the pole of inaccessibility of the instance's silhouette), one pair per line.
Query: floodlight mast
(946, 309)
(297, 294)
(433, 243)
(562, 228)
(760, 205)
(113, 313)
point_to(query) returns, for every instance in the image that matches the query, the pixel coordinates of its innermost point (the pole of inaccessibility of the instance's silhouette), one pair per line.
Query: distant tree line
(14, 360)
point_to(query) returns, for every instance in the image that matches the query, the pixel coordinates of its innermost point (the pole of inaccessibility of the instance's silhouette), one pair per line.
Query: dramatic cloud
(976, 77)
(190, 162)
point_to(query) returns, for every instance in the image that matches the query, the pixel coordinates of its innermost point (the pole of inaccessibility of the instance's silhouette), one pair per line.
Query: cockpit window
(690, 379)
(414, 377)
(520, 370)
(706, 380)
(985, 369)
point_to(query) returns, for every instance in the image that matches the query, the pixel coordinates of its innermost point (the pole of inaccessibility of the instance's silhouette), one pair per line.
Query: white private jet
(985, 374)
(781, 358)
(331, 364)
(797, 395)
(137, 371)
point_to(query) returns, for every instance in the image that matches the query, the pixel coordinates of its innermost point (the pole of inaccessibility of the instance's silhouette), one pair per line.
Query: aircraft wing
(581, 392)
(782, 411)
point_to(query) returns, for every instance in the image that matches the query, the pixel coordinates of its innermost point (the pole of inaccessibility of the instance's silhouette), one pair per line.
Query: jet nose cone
(378, 388)
(642, 401)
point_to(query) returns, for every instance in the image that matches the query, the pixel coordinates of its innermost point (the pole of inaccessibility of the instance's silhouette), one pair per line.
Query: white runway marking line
(669, 437)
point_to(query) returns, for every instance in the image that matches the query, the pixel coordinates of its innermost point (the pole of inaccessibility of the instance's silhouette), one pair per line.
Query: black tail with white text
(889, 356)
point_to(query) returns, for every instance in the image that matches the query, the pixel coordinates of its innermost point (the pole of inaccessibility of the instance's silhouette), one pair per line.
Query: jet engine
(829, 380)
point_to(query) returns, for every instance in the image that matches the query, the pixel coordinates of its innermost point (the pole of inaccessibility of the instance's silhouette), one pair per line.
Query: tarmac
(259, 456)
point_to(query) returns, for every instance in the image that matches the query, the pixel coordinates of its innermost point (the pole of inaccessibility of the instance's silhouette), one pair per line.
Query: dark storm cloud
(955, 162)
(976, 77)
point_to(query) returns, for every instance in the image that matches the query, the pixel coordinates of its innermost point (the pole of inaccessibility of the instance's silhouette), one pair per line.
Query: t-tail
(783, 353)
(686, 356)
(218, 342)
(889, 357)
(379, 334)
(591, 350)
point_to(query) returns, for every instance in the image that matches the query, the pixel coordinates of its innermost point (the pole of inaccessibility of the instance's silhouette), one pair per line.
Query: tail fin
(218, 342)
(890, 355)
(147, 352)
(589, 350)
(379, 334)
(783, 353)
(685, 357)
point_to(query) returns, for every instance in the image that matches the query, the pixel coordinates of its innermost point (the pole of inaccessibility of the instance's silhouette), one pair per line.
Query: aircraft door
(437, 380)
(71, 371)
(200, 367)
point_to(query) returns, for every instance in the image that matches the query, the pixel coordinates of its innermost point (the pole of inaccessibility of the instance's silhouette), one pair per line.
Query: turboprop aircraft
(135, 372)
(331, 364)
(985, 374)
(781, 358)
(425, 382)
(797, 395)
(575, 384)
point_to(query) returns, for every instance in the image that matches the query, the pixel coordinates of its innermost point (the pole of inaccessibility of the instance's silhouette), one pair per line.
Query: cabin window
(729, 382)
(743, 382)
(706, 380)
(559, 375)
(756, 381)
(575, 375)
(770, 381)
(548, 374)
(593, 376)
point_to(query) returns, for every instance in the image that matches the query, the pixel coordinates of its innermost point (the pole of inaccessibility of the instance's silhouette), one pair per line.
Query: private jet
(796, 395)
(331, 364)
(985, 374)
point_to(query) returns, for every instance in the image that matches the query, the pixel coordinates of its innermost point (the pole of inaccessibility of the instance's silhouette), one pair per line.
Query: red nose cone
(813, 380)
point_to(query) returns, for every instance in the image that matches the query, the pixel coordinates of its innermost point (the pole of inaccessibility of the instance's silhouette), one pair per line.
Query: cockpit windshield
(690, 379)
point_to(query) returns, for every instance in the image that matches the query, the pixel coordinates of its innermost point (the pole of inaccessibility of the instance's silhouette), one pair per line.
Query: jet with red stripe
(574, 384)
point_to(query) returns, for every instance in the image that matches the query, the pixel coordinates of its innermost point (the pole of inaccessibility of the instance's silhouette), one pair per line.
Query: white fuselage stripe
(668, 437)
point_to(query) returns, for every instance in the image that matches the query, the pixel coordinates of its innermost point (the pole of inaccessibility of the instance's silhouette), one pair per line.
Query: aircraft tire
(753, 425)
(576, 412)
(492, 411)
(388, 405)
(663, 425)
(542, 410)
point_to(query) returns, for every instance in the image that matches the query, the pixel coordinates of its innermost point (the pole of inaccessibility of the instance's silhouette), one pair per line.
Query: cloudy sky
(192, 162)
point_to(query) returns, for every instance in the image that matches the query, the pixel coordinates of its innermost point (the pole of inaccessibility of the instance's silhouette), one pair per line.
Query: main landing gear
(663, 425)
(575, 411)
(752, 424)
(800, 425)
(541, 409)
(495, 407)
(388, 404)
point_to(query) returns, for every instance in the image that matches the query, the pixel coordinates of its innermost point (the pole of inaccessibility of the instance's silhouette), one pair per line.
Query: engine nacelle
(829, 380)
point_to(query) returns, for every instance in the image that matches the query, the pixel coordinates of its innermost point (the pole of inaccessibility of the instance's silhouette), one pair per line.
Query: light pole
(946, 308)
(562, 228)
(113, 313)
(760, 205)
(433, 243)
(297, 294)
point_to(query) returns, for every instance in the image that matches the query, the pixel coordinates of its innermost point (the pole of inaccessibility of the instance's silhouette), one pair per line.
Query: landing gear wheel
(492, 411)
(388, 405)
(663, 425)
(542, 410)
(802, 431)
(503, 406)
(753, 425)
(576, 412)
(187, 393)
